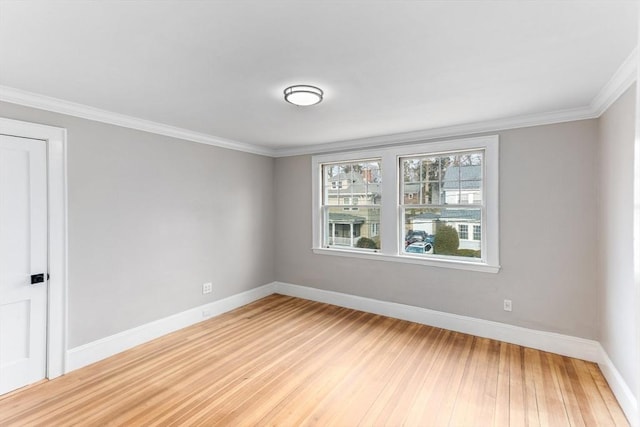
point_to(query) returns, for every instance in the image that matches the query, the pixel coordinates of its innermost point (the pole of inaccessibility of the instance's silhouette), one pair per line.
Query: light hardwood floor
(290, 362)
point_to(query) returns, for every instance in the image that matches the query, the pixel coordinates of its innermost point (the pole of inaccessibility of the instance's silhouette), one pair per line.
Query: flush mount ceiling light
(303, 95)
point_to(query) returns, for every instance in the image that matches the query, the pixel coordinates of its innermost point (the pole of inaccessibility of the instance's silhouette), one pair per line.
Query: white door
(23, 255)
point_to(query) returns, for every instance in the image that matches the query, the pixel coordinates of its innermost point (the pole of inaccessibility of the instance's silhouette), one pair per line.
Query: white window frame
(350, 203)
(391, 227)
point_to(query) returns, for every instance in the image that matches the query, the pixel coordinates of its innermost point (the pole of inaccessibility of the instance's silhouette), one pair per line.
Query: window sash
(440, 181)
(364, 229)
(402, 221)
(437, 177)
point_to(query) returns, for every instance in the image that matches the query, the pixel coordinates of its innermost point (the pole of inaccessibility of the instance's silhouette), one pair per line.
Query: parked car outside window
(419, 248)
(417, 236)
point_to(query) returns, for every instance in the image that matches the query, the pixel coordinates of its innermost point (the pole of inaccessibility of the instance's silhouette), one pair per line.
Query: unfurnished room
(329, 213)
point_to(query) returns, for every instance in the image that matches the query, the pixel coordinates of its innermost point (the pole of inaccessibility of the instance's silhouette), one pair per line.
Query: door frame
(636, 230)
(56, 140)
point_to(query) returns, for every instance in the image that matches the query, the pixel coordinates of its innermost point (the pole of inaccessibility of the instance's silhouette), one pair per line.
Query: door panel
(23, 252)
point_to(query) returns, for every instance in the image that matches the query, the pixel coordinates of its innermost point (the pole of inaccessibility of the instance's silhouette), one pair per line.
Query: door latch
(38, 278)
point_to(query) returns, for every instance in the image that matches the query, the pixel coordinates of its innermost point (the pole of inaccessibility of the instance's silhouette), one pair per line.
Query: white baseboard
(97, 350)
(621, 390)
(566, 345)
(547, 341)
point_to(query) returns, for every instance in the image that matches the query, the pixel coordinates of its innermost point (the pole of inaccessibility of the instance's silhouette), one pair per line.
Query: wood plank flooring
(291, 362)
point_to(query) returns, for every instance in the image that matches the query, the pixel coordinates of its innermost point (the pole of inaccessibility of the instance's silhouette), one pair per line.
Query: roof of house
(411, 187)
(344, 218)
(451, 214)
(467, 177)
(355, 185)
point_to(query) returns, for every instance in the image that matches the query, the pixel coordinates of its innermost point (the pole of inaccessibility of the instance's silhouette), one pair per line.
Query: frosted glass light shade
(303, 95)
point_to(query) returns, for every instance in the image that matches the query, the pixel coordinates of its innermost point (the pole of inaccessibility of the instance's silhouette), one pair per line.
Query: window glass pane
(471, 192)
(470, 159)
(439, 180)
(432, 193)
(330, 172)
(355, 180)
(411, 170)
(359, 229)
(347, 181)
(333, 176)
(451, 180)
(330, 181)
(446, 163)
(431, 169)
(440, 227)
(450, 193)
(412, 193)
(365, 182)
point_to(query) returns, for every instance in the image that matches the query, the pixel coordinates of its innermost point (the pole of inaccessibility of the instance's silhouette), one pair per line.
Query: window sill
(408, 259)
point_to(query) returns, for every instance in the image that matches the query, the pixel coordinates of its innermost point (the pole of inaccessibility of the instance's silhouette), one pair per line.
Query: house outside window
(420, 195)
(361, 181)
(445, 182)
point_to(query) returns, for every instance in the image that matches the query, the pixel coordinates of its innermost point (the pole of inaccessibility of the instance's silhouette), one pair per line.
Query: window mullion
(390, 195)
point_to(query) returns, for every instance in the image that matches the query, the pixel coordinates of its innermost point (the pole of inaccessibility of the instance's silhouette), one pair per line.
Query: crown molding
(443, 132)
(30, 99)
(621, 80)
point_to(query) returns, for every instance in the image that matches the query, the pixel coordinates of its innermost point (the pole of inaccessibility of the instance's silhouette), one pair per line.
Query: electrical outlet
(207, 288)
(507, 305)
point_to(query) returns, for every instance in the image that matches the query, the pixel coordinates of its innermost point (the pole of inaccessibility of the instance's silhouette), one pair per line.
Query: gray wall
(152, 218)
(618, 313)
(548, 244)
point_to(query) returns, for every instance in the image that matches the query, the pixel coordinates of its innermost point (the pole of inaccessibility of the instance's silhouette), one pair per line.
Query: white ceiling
(219, 67)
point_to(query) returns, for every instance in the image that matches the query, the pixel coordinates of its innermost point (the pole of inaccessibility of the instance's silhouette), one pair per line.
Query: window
(477, 232)
(346, 202)
(375, 229)
(442, 211)
(463, 231)
(354, 230)
(434, 204)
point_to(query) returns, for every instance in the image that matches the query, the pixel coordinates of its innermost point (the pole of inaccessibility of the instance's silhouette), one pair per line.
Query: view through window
(433, 203)
(441, 200)
(351, 204)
